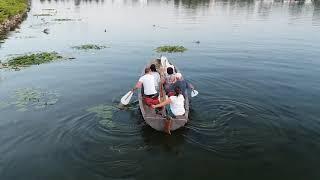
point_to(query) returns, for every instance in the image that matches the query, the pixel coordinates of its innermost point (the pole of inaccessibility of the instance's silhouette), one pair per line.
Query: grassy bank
(10, 8)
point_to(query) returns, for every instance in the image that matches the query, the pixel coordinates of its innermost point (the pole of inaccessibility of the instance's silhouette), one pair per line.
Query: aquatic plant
(31, 98)
(89, 46)
(27, 98)
(42, 14)
(10, 8)
(49, 9)
(104, 113)
(33, 59)
(170, 49)
(66, 19)
(25, 37)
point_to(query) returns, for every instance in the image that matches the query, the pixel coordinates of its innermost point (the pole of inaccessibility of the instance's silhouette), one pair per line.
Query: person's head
(170, 70)
(179, 76)
(147, 70)
(177, 91)
(153, 68)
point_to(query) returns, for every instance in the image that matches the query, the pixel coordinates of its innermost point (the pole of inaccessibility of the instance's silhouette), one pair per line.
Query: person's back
(156, 75)
(148, 84)
(170, 79)
(176, 108)
(177, 105)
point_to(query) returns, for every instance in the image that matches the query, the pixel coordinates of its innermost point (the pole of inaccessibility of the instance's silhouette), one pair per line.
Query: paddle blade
(194, 93)
(126, 98)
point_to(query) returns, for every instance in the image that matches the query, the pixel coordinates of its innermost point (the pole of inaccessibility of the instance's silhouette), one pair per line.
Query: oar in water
(126, 98)
(194, 93)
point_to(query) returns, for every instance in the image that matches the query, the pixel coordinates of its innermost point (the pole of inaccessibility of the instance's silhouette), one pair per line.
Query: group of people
(174, 86)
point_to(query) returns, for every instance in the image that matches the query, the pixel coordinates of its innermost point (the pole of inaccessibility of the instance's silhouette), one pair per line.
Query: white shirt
(156, 76)
(177, 105)
(148, 84)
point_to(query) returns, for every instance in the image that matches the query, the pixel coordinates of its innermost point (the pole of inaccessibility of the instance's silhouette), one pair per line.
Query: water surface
(257, 70)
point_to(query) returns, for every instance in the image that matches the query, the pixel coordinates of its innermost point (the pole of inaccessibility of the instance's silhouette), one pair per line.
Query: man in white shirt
(148, 82)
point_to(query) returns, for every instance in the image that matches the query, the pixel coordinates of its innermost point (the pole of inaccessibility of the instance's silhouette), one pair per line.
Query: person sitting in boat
(176, 107)
(169, 80)
(182, 83)
(149, 90)
(156, 75)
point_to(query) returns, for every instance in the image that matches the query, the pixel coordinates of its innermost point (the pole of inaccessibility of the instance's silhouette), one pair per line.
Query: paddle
(126, 98)
(194, 93)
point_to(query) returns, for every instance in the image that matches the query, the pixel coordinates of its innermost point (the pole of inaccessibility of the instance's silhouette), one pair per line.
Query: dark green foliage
(89, 46)
(170, 49)
(34, 59)
(9, 8)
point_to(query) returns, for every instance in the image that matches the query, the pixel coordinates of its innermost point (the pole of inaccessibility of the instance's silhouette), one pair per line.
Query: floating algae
(43, 14)
(25, 37)
(104, 113)
(170, 49)
(32, 98)
(49, 9)
(89, 47)
(66, 19)
(32, 59)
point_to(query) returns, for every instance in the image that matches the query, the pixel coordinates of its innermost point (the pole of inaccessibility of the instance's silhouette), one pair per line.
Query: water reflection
(316, 13)
(263, 8)
(193, 4)
(76, 2)
(154, 139)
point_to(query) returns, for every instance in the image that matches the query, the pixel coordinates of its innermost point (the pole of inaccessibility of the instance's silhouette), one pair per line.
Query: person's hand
(153, 106)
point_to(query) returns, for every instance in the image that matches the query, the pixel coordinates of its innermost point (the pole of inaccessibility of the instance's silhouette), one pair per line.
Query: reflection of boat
(156, 121)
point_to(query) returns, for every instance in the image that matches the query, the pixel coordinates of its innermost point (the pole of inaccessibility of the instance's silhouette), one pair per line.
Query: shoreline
(13, 22)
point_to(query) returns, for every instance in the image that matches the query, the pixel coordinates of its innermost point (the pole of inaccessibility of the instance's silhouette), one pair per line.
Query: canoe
(156, 121)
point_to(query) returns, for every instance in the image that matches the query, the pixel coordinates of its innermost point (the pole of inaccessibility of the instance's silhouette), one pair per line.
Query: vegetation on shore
(170, 49)
(32, 59)
(10, 8)
(89, 46)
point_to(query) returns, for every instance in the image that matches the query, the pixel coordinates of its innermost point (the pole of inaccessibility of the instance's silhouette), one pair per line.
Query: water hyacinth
(66, 19)
(33, 59)
(43, 14)
(104, 113)
(29, 98)
(89, 47)
(170, 49)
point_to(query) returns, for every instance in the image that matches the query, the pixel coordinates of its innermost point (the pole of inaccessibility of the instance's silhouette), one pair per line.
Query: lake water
(257, 68)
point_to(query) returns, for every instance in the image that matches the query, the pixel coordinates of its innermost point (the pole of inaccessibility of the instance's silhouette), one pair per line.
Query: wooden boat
(156, 121)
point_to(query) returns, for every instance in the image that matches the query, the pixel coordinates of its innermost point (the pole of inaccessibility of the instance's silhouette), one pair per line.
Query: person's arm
(138, 85)
(167, 101)
(189, 85)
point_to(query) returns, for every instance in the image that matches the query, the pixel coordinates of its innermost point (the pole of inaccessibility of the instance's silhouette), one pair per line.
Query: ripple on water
(232, 128)
(98, 146)
(25, 99)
